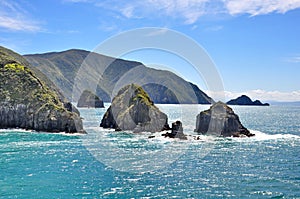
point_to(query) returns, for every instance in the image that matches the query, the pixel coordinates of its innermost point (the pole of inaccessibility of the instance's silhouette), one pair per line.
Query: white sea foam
(260, 136)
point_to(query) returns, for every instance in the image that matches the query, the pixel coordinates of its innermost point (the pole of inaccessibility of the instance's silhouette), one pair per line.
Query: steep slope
(110, 74)
(28, 102)
(132, 109)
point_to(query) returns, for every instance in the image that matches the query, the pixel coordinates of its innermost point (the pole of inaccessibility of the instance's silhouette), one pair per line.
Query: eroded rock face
(89, 99)
(220, 120)
(132, 109)
(27, 102)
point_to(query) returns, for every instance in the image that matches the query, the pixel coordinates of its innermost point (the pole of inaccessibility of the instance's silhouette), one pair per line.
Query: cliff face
(220, 120)
(27, 102)
(132, 109)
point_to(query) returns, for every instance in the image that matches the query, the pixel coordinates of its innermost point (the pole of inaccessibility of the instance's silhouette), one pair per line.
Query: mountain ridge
(107, 74)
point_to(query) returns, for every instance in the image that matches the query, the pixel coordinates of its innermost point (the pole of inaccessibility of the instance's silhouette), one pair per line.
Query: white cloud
(128, 11)
(260, 7)
(258, 94)
(294, 59)
(13, 18)
(190, 11)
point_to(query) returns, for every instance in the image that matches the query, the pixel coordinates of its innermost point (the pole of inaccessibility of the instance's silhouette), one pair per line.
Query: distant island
(245, 100)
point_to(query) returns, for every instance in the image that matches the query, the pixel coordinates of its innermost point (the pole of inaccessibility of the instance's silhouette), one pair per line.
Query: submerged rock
(220, 120)
(89, 99)
(132, 109)
(27, 102)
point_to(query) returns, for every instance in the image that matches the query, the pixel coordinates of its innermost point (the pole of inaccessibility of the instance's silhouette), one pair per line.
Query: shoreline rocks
(220, 120)
(27, 102)
(132, 109)
(177, 131)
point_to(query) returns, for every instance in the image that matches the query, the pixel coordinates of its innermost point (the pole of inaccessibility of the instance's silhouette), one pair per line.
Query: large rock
(245, 100)
(28, 102)
(220, 120)
(132, 109)
(89, 99)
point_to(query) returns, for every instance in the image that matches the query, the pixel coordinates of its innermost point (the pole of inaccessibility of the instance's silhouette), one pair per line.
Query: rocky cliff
(132, 109)
(28, 102)
(220, 120)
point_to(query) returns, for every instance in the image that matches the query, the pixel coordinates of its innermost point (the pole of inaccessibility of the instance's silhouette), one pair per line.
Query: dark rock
(177, 131)
(220, 120)
(132, 109)
(245, 100)
(27, 102)
(89, 99)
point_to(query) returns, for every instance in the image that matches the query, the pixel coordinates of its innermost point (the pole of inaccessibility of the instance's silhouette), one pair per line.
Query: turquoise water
(105, 164)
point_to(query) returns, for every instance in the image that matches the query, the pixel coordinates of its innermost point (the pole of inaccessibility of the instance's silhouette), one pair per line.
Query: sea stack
(177, 131)
(89, 99)
(220, 120)
(132, 109)
(27, 102)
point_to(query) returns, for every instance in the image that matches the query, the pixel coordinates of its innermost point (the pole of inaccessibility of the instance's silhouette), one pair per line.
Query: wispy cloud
(214, 28)
(190, 11)
(258, 94)
(293, 59)
(259, 7)
(158, 32)
(14, 18)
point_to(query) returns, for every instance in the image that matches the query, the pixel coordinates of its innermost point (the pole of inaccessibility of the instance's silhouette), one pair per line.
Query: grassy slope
(62, 68)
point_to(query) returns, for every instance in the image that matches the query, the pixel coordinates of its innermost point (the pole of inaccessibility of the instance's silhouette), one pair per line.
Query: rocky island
(132, 109)
(27, 102)
(89, 99)
(220, 120)
(245, 100)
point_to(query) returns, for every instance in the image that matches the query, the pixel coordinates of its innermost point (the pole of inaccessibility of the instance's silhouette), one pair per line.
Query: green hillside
(76, 70)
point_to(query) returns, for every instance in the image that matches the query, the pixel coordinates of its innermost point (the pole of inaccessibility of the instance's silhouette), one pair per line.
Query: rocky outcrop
(177, 131)
(220, 120)
(245, 100)
(132, 109)
(89, 99)
(27, 102)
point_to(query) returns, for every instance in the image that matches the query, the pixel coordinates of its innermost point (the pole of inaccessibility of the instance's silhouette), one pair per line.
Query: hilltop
(108, 74)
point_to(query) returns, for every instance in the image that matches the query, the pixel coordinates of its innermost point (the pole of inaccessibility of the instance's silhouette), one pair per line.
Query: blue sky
(254, 44)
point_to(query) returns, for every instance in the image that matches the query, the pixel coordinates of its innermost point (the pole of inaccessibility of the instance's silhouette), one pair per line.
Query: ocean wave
(260, 136)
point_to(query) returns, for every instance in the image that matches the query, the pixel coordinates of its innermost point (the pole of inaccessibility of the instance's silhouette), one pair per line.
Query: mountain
(74, 71)
(29, 102)
(245, 100)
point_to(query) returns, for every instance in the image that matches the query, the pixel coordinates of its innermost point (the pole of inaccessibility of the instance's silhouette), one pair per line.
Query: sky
(254, 44)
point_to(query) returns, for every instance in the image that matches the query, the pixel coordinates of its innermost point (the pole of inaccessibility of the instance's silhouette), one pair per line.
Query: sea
(109, 164)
